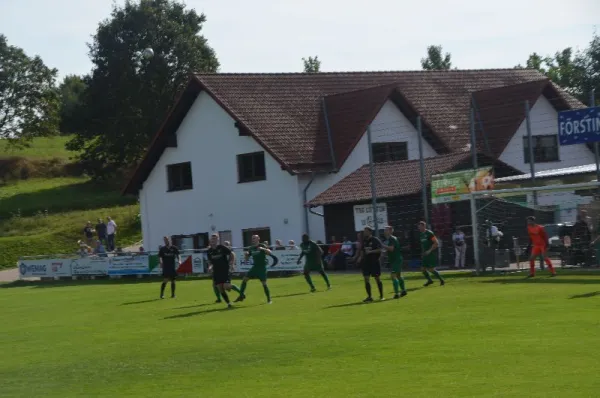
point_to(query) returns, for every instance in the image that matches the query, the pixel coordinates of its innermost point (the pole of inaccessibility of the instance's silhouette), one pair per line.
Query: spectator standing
(88, 233)
(101, 231)
(111, 231)
(460, 248)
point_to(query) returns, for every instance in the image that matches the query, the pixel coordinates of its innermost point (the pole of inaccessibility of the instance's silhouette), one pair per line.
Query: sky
(347, 35)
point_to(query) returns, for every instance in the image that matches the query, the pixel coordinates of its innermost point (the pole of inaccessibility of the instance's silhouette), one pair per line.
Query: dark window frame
(263, 232)
(389, 151)
(258, 167)
(179, 177)
(541, 154)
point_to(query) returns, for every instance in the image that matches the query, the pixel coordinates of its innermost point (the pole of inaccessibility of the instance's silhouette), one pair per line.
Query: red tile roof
(393, 179)
(285, 112)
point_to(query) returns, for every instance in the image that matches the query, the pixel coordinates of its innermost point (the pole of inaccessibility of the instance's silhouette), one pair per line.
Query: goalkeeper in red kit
(539, 242)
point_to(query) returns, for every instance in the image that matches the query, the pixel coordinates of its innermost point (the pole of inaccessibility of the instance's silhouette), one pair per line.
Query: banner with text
(90, 266)
(279, 260)
(45, 268)
(458, 185)
(579, 126)
(363, 216)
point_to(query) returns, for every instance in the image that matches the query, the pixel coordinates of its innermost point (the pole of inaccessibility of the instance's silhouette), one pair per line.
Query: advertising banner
(458, 185)
(363, 216)
(280, 260)
(90, 266)
(579, 126)
(45, 268)
(128, 265)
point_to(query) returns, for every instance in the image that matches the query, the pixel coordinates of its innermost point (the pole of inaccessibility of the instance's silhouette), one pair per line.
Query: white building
(241, 154)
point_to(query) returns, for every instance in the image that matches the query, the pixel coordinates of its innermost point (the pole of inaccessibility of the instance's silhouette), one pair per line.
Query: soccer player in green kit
(392, 246)
(313, 254)
(259, 253)
(429, 245)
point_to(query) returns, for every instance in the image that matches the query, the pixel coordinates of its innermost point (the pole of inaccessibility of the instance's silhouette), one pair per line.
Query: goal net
(569, 213)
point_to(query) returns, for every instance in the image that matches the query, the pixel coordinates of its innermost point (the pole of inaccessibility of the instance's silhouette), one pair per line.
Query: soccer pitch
(497, 336)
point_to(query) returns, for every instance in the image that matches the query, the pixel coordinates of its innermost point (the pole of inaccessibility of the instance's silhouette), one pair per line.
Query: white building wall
(544, 121)
(208, 138)
(390, 125)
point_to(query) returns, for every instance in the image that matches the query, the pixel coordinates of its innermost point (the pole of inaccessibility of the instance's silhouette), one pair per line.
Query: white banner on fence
(198, 262)
(45, 268)
(90, 266)
(128, 265)
(284, 260)
(363, 216)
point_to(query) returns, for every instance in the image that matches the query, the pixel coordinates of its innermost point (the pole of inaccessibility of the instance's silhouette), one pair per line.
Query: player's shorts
(169, 271)
(537, 250)
(430, 260)
(259, 273)
(318, 267)
(396, 266)
(221, 276)
(370, 268)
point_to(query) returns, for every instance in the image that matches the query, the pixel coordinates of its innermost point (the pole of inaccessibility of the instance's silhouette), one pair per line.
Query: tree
(71, 92)
(435, 60)
(128, 94)
(577, 73)
(28, 99)
(312, 64)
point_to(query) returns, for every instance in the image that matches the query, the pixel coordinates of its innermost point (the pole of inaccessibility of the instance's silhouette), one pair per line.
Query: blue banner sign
(580, 126)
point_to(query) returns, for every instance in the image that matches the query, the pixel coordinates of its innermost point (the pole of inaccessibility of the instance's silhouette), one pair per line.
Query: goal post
(509, 207)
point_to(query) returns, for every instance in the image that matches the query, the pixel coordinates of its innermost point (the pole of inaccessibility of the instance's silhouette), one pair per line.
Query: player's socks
(438, 275)
(217, 293)
(380, 288)
(225, 297)
(267, 292)
(236, 289)
(309, 281)
(162, 289)
(396, 284)
(531, 267)
(428, 277)
(368, 289)
(243, 288)
(172, 288)
(326, 277)
(550, 266)
(401, 284)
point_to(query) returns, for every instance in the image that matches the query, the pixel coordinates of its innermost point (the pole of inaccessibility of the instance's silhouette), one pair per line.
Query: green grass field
(39, 148)
(475, 337)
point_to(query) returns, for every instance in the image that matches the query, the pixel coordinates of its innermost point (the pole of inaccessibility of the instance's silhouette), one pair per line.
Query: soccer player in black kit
(371, 267)
(167, 255)
(221, 260)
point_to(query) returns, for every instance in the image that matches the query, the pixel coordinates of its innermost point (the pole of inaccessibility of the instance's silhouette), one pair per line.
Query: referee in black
(167, 255)
(220, 261)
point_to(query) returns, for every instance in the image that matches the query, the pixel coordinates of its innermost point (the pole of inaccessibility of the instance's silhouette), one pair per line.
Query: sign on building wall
(363, 216)
(579, 126)
(457, 185)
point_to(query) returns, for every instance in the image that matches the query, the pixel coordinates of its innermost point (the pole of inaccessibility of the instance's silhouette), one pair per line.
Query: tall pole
(373, 192)
(473, 139)
(596, 150)
(530, 143)
(422, 167)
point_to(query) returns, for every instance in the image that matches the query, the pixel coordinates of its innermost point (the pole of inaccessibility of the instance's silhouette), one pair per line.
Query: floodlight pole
(475, 231)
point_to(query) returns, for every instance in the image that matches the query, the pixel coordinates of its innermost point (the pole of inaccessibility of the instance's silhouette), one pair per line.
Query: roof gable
(285, 114)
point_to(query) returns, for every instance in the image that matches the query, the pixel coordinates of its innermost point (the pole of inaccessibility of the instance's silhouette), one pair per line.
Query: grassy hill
(44, 215)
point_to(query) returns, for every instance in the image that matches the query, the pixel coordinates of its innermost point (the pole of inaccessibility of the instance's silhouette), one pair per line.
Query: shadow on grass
(292, 295)
(141, 302)
(126, 280)
(586, 295)
(79, 196)
(194, 306)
